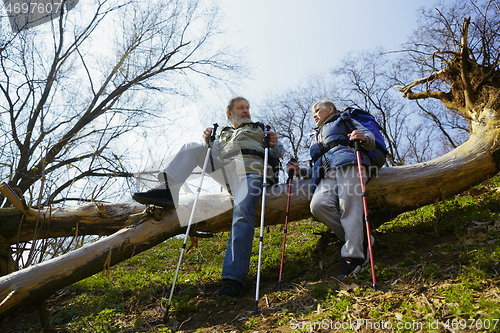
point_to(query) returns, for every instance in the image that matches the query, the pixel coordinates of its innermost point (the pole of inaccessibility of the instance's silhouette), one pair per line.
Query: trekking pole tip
(165, 316)
(256, 310)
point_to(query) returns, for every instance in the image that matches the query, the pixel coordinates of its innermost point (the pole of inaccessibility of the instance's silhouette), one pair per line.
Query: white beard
(238, 120)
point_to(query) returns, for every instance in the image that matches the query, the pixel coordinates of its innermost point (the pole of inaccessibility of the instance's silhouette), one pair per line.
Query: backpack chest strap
(244, 152)
(252, 152)
(324, 148)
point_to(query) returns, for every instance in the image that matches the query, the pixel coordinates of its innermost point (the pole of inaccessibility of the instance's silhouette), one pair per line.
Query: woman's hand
(357, 135)
(291, 165)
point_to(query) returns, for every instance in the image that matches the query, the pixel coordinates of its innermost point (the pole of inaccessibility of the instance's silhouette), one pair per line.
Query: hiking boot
(159, 196)
(231, 288)
(351, 268)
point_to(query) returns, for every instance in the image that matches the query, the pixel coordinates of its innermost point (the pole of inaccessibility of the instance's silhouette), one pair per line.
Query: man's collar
(243, 123)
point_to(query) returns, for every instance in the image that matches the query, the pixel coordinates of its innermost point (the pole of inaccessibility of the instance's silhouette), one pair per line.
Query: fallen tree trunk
(24, 224)
(395, 190)
(88, 219)
(405, 188)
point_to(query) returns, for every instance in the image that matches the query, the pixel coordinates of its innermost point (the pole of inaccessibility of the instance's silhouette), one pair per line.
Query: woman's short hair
(324, 103)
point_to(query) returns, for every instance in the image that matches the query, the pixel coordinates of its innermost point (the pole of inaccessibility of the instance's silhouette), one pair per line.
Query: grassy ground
(437, 271)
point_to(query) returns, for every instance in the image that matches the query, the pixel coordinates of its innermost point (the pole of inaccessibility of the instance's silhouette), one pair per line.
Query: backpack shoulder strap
(261, 125)
(346, 117)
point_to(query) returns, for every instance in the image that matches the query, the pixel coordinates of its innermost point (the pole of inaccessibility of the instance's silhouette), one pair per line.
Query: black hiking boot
(350, 269)
(231, 288)
(159, 196)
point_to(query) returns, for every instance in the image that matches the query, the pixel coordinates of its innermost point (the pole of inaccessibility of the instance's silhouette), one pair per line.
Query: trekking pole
(212, 138)
(357, 147)
(290, 178)
(261, 238)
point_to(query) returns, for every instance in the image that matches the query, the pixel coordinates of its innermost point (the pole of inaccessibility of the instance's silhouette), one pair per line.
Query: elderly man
(238, 152)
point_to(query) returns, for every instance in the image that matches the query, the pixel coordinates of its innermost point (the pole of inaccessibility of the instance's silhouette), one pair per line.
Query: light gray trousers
(337, 202)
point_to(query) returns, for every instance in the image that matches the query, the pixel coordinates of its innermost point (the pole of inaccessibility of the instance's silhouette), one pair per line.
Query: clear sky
(288, 40)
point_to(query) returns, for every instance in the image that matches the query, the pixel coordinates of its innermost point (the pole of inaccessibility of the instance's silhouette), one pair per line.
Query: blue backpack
(378, 155)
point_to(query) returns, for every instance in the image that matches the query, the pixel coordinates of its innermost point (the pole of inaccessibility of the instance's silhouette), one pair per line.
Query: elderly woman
(337, 199)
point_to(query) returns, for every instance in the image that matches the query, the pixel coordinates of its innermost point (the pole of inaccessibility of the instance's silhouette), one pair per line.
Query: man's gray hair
(233, 101)
(324, 103)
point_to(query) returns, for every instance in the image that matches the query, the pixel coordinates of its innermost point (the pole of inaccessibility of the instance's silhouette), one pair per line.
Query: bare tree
(71, 88)
(366, 80)
(289, 113)
(459, 61)
(409, 130)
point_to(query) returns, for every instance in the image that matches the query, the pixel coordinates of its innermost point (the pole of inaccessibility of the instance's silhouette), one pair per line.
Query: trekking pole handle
(357, 145)
(267, 138)
(212, 137)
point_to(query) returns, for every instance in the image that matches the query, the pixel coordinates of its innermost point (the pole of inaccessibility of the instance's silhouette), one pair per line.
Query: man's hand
(207, 133)
(273, 138)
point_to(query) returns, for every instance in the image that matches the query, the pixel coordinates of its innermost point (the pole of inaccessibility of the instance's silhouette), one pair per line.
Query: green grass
(452, 283)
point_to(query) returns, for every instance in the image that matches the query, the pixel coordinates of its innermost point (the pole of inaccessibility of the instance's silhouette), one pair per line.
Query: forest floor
(436, 270)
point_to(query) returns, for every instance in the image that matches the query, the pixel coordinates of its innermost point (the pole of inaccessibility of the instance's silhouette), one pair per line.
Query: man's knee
(192, 146)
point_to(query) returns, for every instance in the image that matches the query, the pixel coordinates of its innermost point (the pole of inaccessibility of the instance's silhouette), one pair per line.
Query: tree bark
(404, 188)
(33, 284)
(87, 219)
